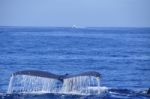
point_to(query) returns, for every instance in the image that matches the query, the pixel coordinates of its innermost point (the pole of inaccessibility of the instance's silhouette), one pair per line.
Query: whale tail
(54, 76)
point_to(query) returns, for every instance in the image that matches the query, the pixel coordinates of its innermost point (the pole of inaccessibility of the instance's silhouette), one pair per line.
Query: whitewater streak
(84, 85)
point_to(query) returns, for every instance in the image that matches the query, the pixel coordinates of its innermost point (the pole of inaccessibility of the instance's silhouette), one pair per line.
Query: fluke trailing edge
(54, 76)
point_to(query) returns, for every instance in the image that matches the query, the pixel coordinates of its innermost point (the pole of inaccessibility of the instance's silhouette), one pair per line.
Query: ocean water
(120, 55)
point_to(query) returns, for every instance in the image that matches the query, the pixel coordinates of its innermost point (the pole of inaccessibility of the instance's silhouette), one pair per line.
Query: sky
(82, 13)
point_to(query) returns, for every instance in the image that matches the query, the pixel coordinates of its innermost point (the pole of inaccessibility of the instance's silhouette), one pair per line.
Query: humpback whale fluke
(54, 76)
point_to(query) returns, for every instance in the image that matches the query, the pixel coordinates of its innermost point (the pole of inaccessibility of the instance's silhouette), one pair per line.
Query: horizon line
(75, 27)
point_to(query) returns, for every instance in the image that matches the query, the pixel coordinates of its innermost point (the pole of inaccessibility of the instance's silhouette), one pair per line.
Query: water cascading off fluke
(30, 82)
(33, 84)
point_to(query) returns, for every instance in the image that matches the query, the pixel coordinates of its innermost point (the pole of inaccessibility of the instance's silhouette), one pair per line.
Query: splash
(10, 88)
(75, 85)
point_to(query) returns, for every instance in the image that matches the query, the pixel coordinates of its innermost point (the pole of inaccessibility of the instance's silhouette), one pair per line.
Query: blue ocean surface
(120, 55)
